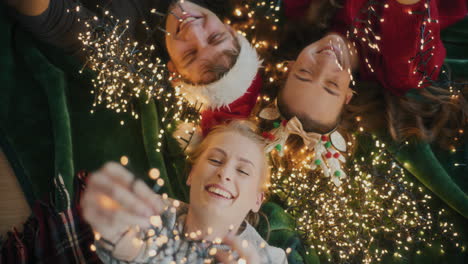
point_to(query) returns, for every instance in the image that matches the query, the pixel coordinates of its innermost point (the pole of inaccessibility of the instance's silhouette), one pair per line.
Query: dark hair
(297, 34)
(432, 114)
(321, 14)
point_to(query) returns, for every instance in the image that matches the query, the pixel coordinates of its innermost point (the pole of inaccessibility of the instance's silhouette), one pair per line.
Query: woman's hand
(247, 252)
(113, 202)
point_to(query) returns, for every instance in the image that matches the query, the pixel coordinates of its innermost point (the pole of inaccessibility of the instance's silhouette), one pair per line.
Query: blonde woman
(227, 182)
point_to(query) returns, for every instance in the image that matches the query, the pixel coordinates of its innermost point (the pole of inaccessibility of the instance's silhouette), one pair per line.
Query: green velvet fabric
(27, 117)
(434, 167)
(455, 40)
(279, 229)
(420, 161)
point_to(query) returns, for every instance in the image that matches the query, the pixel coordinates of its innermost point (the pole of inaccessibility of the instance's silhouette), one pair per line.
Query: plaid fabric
(50, 236)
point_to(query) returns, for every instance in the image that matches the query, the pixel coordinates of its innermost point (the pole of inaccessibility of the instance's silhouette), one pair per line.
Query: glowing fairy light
(125, 69)
(376, 200)
(165, 234)
(128, 71)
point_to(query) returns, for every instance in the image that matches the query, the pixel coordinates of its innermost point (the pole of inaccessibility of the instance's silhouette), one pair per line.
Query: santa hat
(188, 135)
(231, 86)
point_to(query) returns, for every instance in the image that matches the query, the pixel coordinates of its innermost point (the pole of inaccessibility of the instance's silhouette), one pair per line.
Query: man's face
(318, 82)
(197, 38)
(225, 182)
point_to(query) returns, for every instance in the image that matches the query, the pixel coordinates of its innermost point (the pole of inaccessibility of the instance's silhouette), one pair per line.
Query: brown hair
(249, 130)
(296, 34)
(320, 13)
(432, 114)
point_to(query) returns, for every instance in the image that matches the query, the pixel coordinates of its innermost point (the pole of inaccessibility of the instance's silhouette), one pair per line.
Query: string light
(125, 68)
(128, 71)
(375, 201)
(164, 240)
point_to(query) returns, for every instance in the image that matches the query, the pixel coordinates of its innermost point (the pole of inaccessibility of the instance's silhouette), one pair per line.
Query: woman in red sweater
(394, 43)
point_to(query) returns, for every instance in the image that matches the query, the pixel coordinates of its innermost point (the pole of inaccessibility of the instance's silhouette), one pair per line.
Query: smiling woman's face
(226, 180)
(197, 37)
(318, 82)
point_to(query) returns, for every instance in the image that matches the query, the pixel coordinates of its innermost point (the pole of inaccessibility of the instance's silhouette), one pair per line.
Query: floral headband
(328, 147)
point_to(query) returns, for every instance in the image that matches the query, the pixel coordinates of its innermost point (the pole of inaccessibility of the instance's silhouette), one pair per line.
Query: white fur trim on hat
(231, 86)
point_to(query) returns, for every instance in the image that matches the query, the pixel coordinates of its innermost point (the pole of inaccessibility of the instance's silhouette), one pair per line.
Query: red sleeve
(406, 62)
(401, 62)
(344, 17)
(239, 109)
(295, 9)
(451, 12)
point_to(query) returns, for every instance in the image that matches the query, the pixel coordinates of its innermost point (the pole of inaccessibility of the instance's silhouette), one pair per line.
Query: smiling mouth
(186, 20)
(331, 49)
(219, 192)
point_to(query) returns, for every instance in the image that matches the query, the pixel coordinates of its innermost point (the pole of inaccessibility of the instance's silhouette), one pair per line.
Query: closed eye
(334, 84)
(304, 75)
(330, 91)
(215, 161)
(301, 78)
(334, 91)
(189, 57)
(243, 172)
(216, 38)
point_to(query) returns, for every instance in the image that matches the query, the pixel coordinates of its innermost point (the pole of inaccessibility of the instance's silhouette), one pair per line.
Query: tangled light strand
(125, 68)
